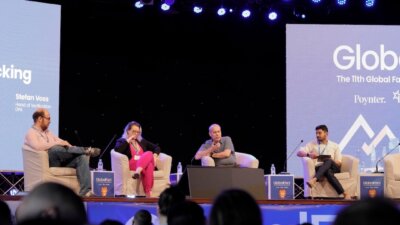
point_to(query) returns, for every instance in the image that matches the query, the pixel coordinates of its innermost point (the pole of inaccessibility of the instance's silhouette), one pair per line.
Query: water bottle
(100, 165)
(273, 171)
(178, 172)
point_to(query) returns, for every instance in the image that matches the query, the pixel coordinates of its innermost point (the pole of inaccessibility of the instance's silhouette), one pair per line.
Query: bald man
(61, 152)
(220, 148)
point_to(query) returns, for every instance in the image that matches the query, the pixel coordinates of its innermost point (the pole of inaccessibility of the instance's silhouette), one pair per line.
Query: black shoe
(135, 176)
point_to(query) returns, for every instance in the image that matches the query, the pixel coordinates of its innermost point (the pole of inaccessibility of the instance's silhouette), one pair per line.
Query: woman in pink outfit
(142, 154)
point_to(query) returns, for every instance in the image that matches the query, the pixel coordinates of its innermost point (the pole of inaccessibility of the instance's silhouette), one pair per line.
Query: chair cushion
(62, 171)
(159, 174)
(396, 176)
(342, 176)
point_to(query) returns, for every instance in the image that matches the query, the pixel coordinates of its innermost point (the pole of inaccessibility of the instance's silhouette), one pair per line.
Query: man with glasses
(61, 152)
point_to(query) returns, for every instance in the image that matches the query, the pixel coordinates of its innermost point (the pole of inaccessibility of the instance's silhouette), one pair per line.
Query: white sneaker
(89, 194)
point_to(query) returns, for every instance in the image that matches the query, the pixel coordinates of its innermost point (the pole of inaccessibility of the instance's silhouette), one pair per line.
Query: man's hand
(65, 143)
(303, 153)
(313, 155)
(215, 147)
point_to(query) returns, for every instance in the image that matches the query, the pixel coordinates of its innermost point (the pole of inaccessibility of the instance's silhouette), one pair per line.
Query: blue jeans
(73, 157)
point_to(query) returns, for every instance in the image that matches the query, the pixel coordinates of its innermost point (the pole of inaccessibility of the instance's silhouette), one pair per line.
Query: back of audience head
(235, 207)
(110, 222)
(142, 217)
(52, 203)
(186, 213)
(168, 198)
(5, 214)
(371, 211)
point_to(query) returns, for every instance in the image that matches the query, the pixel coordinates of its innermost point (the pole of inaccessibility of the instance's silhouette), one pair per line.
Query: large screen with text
(29, 72)
(347, 77)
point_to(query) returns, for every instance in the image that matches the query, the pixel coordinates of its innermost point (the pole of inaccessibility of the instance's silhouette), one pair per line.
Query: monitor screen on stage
(347, 77)
(29, 72)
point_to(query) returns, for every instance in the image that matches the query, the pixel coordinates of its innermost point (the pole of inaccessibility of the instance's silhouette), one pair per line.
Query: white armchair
(348, 177)
(37, 170)
(242, 159)
(124, 184)
(392, 175)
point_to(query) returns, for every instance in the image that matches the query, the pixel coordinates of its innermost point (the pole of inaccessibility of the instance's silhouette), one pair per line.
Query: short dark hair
(322, 127)
(5, 212)
(370, 211)
(38, 113)
(168, 198)
(186, 212)
(235, 207)
(142, 217)
(53, 202)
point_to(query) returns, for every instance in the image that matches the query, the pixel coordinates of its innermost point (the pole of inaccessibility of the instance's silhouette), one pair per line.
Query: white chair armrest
(207, 161)
(164, 164)
(246, 160)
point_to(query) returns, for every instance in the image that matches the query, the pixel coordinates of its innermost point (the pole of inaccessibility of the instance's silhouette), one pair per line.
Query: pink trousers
(146, 161)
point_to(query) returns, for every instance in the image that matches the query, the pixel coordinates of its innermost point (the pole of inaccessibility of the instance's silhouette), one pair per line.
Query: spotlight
(341, 2)
(272, 15)
(246, 13)
(139, 4)
(221, 11)
(165, 7)
(299, 12)
(369, 3)
(197, 9)
(316, 1)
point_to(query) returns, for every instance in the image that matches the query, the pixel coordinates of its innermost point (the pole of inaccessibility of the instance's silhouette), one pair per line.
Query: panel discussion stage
(208, 182)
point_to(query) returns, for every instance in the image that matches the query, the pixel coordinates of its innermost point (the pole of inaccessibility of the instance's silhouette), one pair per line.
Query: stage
(283, 212)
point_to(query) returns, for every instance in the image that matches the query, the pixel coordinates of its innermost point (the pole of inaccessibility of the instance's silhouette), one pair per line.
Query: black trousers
(328, 170)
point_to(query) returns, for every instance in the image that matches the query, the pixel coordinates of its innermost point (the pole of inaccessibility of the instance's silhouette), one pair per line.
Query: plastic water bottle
(273, 171)
(178, 172)
(100, 165)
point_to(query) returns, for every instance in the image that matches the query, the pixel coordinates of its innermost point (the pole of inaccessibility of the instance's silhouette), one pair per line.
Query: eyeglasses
(136, 131)
(48, 118)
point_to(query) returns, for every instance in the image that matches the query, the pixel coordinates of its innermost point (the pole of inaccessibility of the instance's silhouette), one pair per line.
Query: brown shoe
(93, 152)
(311, 183)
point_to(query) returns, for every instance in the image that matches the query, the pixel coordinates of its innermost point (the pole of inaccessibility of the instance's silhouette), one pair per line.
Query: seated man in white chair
(327, 166)
(61, 152)
(219, 148)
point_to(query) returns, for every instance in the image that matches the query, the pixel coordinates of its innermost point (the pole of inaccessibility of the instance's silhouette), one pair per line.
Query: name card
(371, 185)
(103, 183)
(280, 186)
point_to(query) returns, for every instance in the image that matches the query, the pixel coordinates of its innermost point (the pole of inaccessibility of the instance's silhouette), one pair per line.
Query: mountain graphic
(360, 122)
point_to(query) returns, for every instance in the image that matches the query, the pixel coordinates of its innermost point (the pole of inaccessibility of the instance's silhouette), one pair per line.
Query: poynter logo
(361, 123)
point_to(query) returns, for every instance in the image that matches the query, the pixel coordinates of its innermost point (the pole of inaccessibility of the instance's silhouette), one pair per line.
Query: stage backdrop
(29, 72)
(347, 77)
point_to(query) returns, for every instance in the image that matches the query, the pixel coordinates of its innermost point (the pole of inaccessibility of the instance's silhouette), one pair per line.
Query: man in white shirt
(324, 167)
